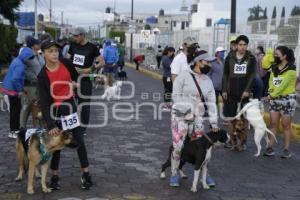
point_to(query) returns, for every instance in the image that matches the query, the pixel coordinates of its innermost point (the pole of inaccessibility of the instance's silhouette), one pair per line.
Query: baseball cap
(219, 49)
(46, 44)
(78, 31)
(233, 39)
(189, 40)
(204, 56)
(31, 41)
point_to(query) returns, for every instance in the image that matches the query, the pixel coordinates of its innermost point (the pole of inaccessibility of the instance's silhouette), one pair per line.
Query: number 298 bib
(70, 121)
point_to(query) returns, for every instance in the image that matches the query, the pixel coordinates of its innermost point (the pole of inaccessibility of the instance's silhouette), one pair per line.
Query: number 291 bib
(70, 121)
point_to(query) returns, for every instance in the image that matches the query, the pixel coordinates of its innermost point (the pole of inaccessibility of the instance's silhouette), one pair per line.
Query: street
(126, 155)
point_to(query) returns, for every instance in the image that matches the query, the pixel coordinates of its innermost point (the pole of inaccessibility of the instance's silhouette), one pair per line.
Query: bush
(7, 41)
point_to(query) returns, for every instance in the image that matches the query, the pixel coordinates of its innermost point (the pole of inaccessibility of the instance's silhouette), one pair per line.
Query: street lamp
(131, 34)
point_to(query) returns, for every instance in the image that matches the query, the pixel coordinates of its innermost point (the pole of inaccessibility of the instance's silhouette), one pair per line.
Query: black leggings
(15, 110)
(77, 133)
(86, 87)
(168, 89)
(81, 151)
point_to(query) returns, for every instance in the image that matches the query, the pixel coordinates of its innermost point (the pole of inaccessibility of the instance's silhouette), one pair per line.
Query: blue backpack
(110, 55)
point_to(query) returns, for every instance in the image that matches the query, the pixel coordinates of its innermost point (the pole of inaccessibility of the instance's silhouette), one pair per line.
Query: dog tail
(269, 131)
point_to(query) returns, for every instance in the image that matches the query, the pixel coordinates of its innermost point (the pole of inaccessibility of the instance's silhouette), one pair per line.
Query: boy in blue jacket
(13, 86)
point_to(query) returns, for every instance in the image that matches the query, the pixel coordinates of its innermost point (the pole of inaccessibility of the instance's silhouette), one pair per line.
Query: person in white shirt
(180, 62)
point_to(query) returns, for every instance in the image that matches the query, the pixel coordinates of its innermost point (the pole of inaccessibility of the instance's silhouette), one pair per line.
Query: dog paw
(162, 175)
(194, 189)
(19, 178)
(205, 186)
(30, 191)
(182, 175)
(256, 155)
(47, 190)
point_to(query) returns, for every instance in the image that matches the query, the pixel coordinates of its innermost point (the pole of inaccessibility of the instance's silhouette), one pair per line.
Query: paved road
(126, 156)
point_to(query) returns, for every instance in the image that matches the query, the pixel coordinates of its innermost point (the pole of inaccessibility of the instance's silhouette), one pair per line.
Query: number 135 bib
(70, 122)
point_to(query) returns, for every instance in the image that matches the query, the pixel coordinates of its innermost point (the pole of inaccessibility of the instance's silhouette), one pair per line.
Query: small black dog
(198, 153)
(122, 75)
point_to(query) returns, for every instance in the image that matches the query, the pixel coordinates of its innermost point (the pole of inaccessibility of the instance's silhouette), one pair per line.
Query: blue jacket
(111, 55)
(14, 79)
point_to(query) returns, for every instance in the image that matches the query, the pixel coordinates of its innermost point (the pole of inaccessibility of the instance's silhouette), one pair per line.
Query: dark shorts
(109, 69)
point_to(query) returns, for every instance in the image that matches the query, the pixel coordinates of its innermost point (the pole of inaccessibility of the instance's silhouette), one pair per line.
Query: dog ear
(66, 134)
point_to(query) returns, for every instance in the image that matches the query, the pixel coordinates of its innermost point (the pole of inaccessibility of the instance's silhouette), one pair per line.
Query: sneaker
(210, 181)
(13, 134)
(286, 154)
(54, 184)
(86, 181)
(174, 181)
(269, 152)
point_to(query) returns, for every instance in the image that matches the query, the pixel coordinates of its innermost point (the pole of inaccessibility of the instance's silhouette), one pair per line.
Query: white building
(207, 15)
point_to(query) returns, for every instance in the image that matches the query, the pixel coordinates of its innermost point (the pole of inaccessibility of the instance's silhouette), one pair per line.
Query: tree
(8, 8)
(295, 11)
(282, 17)
(274, 14)
(265, 13)
(255, 13)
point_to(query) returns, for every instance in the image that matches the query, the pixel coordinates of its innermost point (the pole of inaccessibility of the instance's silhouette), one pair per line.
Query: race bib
(78, 60)
(70, 122)
(277, 81)
(240, 69)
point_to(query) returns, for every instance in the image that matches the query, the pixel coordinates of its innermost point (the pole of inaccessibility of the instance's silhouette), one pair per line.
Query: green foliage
(295, 11)
(8, 8)
(256, 13)
(120, 34)
(7, 41)
(54, 32)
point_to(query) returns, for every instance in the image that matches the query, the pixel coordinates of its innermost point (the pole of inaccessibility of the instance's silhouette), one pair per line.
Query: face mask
(277, 59)
(222, 54)
(205, 69)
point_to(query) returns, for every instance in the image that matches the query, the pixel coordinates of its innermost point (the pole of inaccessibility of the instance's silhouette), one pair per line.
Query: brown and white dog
(33, 148)
(238, 133)
(36, 114)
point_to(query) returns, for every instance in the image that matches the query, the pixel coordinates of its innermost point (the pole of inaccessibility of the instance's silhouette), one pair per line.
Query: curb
(295, 127)
(152, 74)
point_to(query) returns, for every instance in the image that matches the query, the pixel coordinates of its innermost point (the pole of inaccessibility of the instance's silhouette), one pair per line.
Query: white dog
(113, 92)
(254, 116)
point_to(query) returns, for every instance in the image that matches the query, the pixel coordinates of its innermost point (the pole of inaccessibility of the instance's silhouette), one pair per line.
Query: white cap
(219, 49)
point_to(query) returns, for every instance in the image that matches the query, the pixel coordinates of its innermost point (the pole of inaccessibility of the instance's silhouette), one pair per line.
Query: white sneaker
(167, 108)
(13, 134)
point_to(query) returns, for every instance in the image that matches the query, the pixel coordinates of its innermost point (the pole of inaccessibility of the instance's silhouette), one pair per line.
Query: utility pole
(35, 20)
(50, 11)
(62, 18)
(131, 35)
(233, 17)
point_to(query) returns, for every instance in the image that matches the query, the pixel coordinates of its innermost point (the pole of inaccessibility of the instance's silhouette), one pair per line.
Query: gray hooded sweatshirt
(185, 92)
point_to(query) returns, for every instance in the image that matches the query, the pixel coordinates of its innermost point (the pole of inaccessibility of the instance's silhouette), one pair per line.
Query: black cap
(46, 44)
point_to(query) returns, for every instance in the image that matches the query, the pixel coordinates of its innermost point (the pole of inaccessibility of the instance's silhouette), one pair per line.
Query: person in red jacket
(138, 59)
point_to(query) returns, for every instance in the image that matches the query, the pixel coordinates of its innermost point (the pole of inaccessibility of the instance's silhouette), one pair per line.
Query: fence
(268, 33)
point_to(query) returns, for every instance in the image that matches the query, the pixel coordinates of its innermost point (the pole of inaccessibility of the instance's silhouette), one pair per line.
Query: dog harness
(45, 155)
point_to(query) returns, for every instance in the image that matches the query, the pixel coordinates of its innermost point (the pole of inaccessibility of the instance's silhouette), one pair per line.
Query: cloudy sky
(90, 12)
